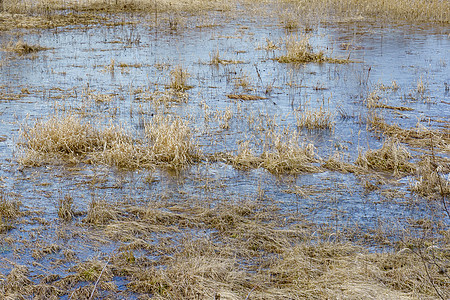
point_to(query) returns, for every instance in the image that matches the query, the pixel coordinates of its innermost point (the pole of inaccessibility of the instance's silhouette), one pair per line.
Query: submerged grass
(252, 251)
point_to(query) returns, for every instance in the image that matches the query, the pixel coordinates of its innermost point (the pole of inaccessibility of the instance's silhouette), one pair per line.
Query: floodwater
(78, 63)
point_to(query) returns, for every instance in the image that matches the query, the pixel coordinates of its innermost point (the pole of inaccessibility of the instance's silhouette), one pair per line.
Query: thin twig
(248, 295)
(98, 279)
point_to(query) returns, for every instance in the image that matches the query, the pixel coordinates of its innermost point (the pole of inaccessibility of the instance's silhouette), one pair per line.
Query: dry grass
(418, 137)
(336, 163)
(374, 100)
(392, 157)
(150, 6)
(299, 50)
(9, 211)
(23, 48)
(68, 139)
(172, 141)
(318, 119)
(215, 60)
(165, 98)
(101, 212)
(282, 155)
(178, 79)
(252, 252)
(65, 208)
(245, 97)
(430, 182)
(350, 10)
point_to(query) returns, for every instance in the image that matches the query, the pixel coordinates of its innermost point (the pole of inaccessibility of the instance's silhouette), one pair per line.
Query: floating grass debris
(245, 97)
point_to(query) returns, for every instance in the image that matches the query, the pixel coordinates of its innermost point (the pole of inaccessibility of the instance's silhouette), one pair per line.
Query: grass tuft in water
(392, 157)
(169, 142)
(299, 50)
(318, 119)
(65, 208)
(23, 48)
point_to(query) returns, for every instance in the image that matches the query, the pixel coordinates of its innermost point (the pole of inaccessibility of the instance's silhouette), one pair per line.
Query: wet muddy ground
(232, 92)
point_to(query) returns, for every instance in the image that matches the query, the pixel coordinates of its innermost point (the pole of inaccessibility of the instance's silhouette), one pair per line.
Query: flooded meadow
(240, 150)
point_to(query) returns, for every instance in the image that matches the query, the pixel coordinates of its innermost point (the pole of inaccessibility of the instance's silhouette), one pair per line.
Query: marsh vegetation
(224, 150)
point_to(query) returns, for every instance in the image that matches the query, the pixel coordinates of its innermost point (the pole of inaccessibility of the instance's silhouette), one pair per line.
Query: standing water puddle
(122, 75)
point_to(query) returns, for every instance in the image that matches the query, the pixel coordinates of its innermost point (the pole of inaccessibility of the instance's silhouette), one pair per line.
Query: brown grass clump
(336, 163)
(318, 119)
(178, 79)
(245, 159)
(101, 212)
(17, 283)
(169, 143)
(286, 156)
(9, 211)
(172, 142)
(215, 60)
(430, 183)
(43, 251)
(283, 154)
(165, 97)
(392, 157)
(344, 271)
(198, 269)
(65, 208)
(299, 50)
(418, 137)
(22, 48)
(373, 100)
